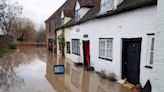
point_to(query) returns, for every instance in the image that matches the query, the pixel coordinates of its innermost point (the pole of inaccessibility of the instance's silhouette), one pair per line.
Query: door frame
(84, 52)
(124, 40)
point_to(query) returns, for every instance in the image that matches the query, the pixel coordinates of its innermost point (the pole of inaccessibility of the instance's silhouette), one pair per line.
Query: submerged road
(31, 70)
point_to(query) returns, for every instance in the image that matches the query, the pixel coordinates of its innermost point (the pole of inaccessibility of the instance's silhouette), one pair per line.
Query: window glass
(76, 46)
(105, 49)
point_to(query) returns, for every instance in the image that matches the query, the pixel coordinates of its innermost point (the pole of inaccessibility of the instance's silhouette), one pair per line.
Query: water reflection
(76, 79)
(31, 70)
(23, 70)
(8, 77)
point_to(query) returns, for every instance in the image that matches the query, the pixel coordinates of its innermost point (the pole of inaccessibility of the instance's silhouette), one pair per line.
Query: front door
(86, 50)
(131, 59)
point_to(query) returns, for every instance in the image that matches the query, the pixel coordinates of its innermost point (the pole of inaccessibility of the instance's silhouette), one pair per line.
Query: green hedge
(12, 46)
(2, 51)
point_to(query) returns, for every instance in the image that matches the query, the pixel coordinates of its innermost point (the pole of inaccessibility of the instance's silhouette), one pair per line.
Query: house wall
(67, 39)
(66, 35)
(133, 24)
(57, 43)
(158, 66)
(50, 34)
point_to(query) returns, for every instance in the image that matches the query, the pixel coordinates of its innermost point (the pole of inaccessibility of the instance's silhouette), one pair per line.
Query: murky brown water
(31, 70)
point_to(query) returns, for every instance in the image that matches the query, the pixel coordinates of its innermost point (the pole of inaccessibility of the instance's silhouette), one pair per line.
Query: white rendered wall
(158, 68)
(58, 33)
(133, 24)
(67, 39)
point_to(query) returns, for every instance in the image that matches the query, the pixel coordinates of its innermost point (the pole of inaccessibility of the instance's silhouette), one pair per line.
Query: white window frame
(150, 51)
(106, 50)
(76, 46)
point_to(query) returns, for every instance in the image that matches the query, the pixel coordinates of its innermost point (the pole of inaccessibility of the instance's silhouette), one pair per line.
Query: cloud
(39, 10)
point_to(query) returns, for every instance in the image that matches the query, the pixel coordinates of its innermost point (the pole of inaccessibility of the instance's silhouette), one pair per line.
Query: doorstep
(89, 68)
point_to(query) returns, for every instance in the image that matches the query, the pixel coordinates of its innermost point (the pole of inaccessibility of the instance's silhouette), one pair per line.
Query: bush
(2, 51)
(102, 73)
(12, 46)
(112, 76)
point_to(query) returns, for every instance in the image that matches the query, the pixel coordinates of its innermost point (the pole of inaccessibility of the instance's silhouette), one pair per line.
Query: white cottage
(113, 35)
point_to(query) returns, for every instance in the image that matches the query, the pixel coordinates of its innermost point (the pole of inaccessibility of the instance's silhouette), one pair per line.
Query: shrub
(12, 46)
(103, 74)
(112, 76)
(2, 51)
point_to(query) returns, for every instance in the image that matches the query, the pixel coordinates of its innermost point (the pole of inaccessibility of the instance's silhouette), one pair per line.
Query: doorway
(131, 51)
(86, 52)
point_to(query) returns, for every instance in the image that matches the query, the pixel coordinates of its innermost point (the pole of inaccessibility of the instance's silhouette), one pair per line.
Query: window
(106, 5)
(151, 49)
(62, 22)
(76, 46)
(68, 47)
(77, 15)
(105, 48)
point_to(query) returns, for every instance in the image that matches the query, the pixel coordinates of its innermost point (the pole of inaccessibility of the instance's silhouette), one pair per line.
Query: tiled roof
(68, 13)
(93, 13)
(68, 7)
(86, 3)
(127, 5)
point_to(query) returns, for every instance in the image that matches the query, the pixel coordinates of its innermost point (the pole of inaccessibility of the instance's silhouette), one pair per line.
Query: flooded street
(31, 70)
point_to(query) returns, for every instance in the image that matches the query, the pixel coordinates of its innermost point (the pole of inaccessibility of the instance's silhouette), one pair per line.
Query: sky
(39, 10)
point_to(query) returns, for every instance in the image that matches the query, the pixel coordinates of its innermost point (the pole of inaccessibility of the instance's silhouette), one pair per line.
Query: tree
(41, 34)
(8, 12)
(61, 41)
(23, 29)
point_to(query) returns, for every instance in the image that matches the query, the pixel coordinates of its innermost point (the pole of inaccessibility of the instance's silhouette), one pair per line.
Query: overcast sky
(39, 10)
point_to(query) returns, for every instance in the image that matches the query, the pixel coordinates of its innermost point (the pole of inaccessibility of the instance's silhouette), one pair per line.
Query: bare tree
(41, 35)
(8, 12)
(23, 29)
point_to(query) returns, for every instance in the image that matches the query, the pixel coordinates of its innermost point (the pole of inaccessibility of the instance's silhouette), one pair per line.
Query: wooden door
(86, 51)
(131, 60)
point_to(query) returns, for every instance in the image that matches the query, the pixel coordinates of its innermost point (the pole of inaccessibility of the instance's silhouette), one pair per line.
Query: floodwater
(31, 70)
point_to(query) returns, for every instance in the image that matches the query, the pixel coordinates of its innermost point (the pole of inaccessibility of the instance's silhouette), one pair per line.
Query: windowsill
(76, 54)
(105, 59)
(148, 66)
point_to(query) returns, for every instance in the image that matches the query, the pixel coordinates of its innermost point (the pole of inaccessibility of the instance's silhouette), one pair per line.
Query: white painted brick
(158, 67)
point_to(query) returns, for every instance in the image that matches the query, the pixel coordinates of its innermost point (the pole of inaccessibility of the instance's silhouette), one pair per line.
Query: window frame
(68, 48)
(110, 48)
(151, 40)
(76, 47)
(150, 49)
